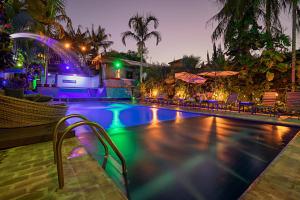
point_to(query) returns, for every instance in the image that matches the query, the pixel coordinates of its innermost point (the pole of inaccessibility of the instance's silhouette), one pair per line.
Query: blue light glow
(116, 115)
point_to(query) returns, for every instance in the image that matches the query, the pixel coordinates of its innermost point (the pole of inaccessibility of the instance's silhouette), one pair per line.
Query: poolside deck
(28, 172)
(281, 180)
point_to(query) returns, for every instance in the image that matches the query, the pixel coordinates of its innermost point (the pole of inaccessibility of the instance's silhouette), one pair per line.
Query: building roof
(176, 63)
(108, 60)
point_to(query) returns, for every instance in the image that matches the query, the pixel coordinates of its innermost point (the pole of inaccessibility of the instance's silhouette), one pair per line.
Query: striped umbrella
(190, 78)
(218, 73)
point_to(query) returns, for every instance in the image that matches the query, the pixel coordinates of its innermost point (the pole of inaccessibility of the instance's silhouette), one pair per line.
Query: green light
(19, 64)
(34, 83)
(117, 64)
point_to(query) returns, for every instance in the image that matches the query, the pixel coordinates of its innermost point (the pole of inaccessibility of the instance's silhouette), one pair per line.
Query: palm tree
(39, 16)
(238, 10)
(6, 55)
(77, 40)
(271, 15)
(75, 37)
(98, 39)
(295, 9)
(233, 11)
(141, 33)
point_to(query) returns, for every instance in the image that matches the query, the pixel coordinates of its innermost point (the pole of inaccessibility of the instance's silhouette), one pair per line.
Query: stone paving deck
(281, 180)
(28, 173)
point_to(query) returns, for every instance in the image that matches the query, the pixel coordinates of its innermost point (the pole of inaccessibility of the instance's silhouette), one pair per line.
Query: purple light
(67, 67)
(74, 74)
(4, 82)
(49, 74)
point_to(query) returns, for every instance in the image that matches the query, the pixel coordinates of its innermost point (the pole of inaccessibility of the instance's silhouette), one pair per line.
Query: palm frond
(155, 34)
(151, 18)
(129, 34)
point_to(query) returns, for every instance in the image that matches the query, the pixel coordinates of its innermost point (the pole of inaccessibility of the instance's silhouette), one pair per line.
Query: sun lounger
(268, 104)
(293, 103)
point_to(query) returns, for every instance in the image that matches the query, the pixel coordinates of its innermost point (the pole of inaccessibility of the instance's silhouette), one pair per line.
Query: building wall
(74, 81)
(110, 72)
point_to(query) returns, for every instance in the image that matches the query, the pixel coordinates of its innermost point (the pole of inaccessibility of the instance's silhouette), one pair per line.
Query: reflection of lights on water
(178, 117)
(77, 152)
(281, 132)
(116, 110)
(154, 116)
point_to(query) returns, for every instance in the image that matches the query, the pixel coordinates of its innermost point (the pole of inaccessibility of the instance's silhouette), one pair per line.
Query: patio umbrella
(215, 74)
(218, 73)
(190, 78)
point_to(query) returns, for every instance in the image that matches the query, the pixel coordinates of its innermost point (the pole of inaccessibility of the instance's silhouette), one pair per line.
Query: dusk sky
(182, 24)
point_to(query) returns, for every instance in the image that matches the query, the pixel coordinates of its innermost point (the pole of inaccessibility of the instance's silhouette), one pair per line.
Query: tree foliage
(6, 55)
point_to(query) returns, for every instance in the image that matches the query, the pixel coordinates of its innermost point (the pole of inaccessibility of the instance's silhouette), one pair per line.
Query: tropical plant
(141, 33)
(129, 55)
(190, 63)
(271, 15)
(6, 55)
(234, 11)
(39, 16)
(294, 7)
(76, 39)
(98, 39)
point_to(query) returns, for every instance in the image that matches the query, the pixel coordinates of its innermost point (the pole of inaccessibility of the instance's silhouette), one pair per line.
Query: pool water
(116, 115)
(180, 155)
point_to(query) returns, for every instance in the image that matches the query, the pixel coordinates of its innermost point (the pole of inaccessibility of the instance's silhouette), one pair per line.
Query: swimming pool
(181, 155)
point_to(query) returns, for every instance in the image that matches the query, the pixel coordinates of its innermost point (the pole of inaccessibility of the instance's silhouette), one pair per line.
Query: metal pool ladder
(101, 134)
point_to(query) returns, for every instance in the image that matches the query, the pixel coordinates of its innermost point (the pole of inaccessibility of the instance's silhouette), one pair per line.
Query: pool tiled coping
(28, 172)
(281, 179)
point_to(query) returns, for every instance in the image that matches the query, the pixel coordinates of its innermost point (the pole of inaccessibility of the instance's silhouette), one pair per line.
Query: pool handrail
(98, 131)
(56, 134)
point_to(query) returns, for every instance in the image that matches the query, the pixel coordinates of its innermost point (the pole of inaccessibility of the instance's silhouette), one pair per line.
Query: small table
(247, 104)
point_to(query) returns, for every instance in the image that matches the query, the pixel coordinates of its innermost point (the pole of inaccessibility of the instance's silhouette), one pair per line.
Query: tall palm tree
(238, 10)
(294, 7)
(98, 39)
(233, 11)
(141, 33)
(271, 15)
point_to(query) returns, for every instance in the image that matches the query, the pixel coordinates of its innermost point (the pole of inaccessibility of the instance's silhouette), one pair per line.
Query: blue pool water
(116, 115)
(180, 155)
